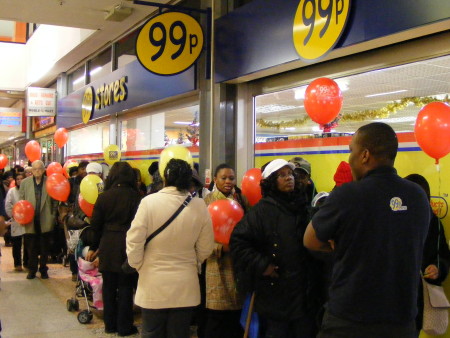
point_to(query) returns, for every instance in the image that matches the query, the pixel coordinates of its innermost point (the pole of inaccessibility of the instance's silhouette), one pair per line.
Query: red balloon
(225, 214)
(58, 187)
(3, 161)
(323, 100)
(432, 129)
(67, 166)
(54, 168)
(85, 206)
(61, 136)
(33, 151)
(23, 212)
(250, 185)
(12, 184)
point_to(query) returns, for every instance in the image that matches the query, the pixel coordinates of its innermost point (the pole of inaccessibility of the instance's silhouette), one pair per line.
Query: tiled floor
(37, 308)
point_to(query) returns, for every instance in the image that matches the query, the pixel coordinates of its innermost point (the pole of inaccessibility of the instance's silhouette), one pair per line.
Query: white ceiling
(86, 14)
(418, 80)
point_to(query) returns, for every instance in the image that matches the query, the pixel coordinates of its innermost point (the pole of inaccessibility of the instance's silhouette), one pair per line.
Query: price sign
(169, 43)
(318, 25)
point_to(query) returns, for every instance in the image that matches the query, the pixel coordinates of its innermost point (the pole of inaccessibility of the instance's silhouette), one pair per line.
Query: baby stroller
(89, 280)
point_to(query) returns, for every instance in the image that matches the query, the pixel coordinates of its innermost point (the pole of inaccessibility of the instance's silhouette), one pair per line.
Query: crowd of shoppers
(344, 263)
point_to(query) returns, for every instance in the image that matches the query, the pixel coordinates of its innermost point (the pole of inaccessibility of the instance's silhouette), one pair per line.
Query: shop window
(126, 49)
(100, 66)
(89, 140)
(76, 80)
(178, 126)
(392, 95)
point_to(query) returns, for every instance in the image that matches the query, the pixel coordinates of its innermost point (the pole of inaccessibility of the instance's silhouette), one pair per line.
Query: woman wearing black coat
(267, 248)
(113, 212)
(436, 254)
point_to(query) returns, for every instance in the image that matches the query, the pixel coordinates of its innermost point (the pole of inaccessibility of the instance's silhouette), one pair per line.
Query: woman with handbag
(436, 254)
(113, 212)
(168, 288)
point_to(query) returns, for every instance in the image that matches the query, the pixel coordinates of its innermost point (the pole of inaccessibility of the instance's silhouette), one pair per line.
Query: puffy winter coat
(270, 233)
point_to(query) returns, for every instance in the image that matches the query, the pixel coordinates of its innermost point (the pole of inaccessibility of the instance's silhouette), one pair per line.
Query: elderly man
(38, 233)
(377, 227)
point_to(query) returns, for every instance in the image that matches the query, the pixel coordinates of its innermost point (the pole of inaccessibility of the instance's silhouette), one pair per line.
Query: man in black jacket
(377, 227)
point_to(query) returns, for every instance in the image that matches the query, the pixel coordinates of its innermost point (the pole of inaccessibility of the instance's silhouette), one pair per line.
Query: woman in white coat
(17, 230)
(168, 288)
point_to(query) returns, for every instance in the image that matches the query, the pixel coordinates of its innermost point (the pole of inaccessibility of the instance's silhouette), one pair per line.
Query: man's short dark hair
(83, 164)
(380, 139)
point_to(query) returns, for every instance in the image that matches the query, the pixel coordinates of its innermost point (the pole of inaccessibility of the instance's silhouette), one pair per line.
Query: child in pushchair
(89, 281)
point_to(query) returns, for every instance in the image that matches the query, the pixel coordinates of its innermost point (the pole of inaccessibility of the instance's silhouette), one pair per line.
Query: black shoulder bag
(126, 268)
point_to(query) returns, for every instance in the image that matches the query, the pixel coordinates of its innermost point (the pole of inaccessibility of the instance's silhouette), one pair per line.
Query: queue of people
(344, 263)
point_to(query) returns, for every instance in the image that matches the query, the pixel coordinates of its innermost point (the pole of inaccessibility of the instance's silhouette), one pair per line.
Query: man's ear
(365, 156)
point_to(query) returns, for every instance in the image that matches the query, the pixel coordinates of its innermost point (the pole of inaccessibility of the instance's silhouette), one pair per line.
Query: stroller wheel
(85, 316)
(72, 304)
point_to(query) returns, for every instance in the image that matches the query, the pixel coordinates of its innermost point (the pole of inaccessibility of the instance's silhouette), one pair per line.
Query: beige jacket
(48, 205)
(168, 268)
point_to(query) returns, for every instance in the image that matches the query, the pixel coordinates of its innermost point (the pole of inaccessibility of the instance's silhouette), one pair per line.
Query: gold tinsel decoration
(382, 113)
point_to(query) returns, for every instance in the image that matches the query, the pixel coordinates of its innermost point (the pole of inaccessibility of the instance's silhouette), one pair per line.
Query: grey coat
(48, 205)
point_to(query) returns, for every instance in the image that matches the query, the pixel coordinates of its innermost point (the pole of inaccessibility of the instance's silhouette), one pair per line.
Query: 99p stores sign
(318, 25)
(169, 43)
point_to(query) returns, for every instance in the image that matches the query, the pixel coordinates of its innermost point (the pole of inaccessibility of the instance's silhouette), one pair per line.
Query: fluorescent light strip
(186, 123)
(387, 93)
(92, 72)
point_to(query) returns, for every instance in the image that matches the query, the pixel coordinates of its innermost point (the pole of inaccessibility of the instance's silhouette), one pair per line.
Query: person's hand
(271, 271)
(431, 272)
(96, 262)
(90, 255)
(218, 250)
(332, 244)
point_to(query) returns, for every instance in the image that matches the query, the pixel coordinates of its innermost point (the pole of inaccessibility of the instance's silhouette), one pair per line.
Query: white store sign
(41, 101)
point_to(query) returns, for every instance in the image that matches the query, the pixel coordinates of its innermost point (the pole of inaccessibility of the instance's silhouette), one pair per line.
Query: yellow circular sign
(169, 43)
(318, 25)
(87, 106)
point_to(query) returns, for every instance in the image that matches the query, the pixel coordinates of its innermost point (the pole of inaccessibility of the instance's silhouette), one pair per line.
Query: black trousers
(118, 301)
(38, 247)
(335, 327)
(17, 251)
(167, 323)
(302, 327)
(223, 324)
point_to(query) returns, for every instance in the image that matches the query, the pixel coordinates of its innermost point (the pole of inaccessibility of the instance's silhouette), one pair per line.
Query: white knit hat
(94, 168)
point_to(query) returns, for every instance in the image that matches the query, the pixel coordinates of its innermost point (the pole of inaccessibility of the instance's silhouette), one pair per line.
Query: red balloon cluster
(33, 151)
(432, 130)
(225, 214)
(54, 168)
(85, 206)
(323, 100)
(61, 136)
(58, 187)
(23, 212)
(250, 185)
(3, 161)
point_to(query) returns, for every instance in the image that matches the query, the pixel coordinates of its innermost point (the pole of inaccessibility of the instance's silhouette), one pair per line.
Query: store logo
(169, 43)
(87, 106)
(318, 25)
(439, 206)
(396, 204)
(106, 95)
